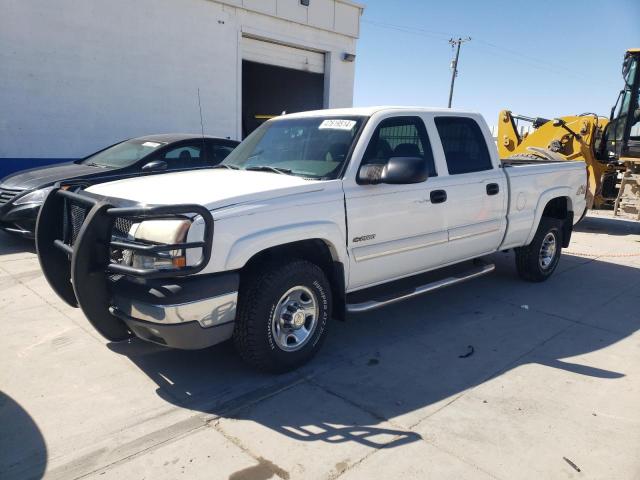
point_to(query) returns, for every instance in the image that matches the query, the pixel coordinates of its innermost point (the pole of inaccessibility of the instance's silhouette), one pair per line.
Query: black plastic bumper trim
(184, 336)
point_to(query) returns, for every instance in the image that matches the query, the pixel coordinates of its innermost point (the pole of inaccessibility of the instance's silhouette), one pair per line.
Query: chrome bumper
(190, 313)
(209, 312)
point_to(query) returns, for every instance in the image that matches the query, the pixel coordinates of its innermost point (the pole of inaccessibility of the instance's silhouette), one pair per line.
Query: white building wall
(77, 75)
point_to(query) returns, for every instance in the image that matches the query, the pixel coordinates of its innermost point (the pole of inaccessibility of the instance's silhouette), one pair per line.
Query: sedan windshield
(123, 154)
(315, 147)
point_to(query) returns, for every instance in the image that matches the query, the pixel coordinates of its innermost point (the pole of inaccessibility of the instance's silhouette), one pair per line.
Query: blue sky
(538, 58)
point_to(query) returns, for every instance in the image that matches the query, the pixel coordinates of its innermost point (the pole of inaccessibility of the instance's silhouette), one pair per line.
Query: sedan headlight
(159, 232)
(35, 197)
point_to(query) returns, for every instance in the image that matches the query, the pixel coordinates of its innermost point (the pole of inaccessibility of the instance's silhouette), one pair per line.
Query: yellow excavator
(609, 146)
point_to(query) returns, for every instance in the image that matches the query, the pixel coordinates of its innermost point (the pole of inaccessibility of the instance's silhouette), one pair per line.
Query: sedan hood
(212, 188)
(44, 176)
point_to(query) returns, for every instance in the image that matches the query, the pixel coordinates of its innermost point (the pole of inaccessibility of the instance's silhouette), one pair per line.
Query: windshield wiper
(268, 168)
(230, 167)
(91, 164)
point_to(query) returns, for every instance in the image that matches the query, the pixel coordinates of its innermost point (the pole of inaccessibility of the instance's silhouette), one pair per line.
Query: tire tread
(253, 295)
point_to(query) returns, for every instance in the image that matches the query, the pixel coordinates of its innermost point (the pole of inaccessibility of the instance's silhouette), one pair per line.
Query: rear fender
(544, 199)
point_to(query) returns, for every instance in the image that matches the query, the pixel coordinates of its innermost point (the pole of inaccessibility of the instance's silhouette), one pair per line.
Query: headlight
(34, 197)
(158, 232)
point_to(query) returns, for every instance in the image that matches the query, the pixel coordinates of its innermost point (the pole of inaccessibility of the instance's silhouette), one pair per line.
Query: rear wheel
(282, 317)
(538, 260)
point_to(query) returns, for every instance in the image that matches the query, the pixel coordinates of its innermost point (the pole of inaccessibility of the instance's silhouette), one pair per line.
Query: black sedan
(22, 193)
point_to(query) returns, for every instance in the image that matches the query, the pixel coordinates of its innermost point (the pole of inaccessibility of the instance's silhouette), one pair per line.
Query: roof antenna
(201, 121)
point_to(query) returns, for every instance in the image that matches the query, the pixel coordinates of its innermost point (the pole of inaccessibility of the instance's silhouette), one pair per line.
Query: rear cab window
(464, 145)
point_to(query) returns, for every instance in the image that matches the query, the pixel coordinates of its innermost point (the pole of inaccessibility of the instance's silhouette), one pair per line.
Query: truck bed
(531, 185)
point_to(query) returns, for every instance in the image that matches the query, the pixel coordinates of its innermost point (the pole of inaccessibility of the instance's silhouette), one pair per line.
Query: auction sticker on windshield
(337, 124)
(151, 144)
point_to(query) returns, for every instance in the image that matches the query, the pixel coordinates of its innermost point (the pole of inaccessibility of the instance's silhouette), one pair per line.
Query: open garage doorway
(276, 79)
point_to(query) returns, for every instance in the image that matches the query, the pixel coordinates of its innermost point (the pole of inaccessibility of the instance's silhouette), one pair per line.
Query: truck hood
(212, 188)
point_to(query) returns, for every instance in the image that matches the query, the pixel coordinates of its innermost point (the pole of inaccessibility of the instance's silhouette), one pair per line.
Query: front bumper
(76, 244)
(20, 220)
(192, 313)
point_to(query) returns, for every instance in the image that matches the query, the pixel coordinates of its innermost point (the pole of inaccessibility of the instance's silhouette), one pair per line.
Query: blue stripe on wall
(11, 165)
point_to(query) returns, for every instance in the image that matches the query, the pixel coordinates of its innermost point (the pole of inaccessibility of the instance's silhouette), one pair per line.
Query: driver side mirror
(397, 171)
(155, 166)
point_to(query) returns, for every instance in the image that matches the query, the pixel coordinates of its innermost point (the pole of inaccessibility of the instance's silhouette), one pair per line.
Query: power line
(408, 29)
(519, 57)
(513, 56)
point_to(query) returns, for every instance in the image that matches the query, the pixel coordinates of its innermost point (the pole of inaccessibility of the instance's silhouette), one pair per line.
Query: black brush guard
(78, 264)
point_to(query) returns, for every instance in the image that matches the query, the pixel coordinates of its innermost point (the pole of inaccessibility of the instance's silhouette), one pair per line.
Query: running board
(429, 287)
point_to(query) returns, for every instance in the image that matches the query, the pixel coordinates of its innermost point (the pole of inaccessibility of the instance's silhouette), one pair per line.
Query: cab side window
(184, 156)
(400, 137)
(465, 147)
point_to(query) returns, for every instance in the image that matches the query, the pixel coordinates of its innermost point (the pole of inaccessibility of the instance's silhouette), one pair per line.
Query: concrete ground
(551, 390)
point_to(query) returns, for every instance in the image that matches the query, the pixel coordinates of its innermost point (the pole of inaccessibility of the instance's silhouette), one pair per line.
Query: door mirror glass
(155, 166)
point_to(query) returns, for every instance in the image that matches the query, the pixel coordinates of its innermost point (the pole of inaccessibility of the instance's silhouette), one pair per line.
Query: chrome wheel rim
(547, 251)
(295, 318)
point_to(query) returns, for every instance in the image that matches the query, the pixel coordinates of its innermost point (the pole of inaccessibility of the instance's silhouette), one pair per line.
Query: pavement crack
(263, 463)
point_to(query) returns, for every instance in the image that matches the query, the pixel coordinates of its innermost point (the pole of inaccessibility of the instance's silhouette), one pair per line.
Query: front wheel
(283, 314)
(538, 260)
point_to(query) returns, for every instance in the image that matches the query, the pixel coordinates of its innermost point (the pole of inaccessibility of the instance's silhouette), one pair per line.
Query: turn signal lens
(179, 262)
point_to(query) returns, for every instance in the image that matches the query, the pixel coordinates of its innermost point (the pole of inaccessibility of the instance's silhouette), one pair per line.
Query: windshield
(314, 147)
(123, 154)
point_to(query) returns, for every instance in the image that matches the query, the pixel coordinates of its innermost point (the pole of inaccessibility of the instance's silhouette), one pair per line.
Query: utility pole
(454, 65)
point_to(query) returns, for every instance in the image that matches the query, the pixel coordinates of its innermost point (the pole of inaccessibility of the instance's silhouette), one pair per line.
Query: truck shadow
(23, 450)
(379, 374)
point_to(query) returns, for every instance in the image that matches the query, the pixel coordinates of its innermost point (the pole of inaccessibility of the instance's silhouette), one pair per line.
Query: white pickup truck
(314, 215)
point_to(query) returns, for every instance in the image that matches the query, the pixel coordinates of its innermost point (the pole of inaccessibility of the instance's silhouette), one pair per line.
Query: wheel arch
(318, 251)
(555, 203)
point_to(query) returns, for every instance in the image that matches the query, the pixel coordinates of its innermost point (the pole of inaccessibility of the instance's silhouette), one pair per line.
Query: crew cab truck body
(314, 215)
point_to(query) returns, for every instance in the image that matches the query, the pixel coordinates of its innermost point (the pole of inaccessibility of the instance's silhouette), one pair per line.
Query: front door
(395, 230)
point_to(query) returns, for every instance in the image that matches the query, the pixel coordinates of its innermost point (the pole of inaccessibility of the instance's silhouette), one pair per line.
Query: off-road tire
(528, 258)
(258, 298)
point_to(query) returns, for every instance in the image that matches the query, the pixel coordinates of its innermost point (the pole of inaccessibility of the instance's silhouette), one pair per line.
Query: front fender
(246, 247)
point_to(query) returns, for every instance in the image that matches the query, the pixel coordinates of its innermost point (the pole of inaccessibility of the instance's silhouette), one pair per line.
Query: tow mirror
(400, 170)
(155, 166)
(397, 171)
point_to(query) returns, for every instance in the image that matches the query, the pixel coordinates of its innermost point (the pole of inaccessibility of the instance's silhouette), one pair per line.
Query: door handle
(438, 196)
(493, 189)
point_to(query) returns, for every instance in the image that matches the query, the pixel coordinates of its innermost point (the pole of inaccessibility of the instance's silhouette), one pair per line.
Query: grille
(122, 226)
(75, 215)
(7, 194)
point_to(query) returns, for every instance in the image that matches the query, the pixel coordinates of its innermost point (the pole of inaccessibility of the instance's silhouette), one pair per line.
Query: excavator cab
(621, 139)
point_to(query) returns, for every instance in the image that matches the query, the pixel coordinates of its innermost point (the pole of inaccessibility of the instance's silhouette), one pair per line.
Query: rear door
(394, 230)
(476, 188)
